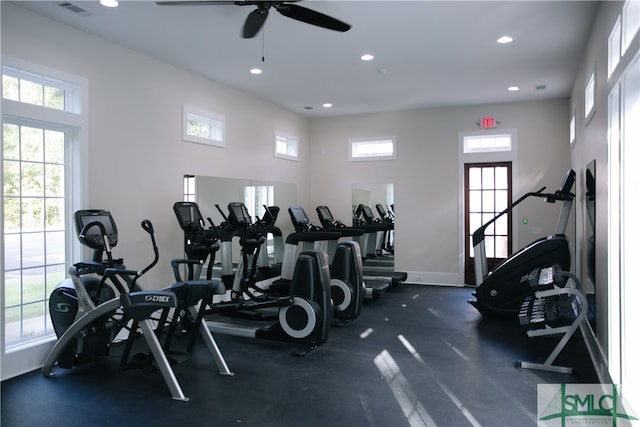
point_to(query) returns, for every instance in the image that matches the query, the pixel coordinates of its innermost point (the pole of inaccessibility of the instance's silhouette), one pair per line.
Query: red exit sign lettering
(487, 122)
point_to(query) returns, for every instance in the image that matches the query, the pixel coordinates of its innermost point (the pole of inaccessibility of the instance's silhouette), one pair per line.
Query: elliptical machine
(200, 243)
(501, 291)
(377, 280)
(347, 283)
(301, 314)
(87, 315)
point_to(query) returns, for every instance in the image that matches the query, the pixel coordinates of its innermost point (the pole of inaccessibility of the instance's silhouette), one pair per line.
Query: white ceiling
(435, 53)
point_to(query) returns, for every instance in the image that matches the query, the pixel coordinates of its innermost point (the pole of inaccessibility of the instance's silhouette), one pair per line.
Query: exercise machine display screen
(93, 235)
(189, 213)
(568, 182)
(239, 214)
(298, 215)
(368, 214)
(325, 214)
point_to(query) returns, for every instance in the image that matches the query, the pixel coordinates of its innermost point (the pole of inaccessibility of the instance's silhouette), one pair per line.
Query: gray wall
(426, 176)
(136, 154)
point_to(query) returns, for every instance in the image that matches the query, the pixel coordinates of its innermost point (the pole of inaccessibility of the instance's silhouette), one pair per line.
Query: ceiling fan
(257, 18)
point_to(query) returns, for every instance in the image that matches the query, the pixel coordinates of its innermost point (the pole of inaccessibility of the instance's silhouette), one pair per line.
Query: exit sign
(487, 123)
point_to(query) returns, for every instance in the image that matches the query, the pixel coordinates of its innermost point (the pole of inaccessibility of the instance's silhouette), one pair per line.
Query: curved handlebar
(106, 242)
(148, 227)
(98, 224)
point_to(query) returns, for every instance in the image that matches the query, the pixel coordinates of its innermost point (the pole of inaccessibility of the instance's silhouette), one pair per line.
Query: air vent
(541, 87)
(308, 107)
(75, 9)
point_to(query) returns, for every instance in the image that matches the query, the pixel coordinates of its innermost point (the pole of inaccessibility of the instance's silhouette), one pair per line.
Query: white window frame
(572, 130)
(189, 188)
(630, 23)
(355, 142)
(590, 97)
(73, 99)
(615, 46)
(466, 139)
(30, 355)
(216, 122)
(290, 143)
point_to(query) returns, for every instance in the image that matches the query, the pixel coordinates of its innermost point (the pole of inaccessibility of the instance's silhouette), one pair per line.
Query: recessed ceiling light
(367, 57)
(504, 40)
(109, 3)
(513, 88)
(327, 105)
(255, 71)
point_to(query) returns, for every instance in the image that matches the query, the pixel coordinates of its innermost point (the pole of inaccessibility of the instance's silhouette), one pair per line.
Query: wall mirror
(253, 193)
(371, 195)
(590, 231)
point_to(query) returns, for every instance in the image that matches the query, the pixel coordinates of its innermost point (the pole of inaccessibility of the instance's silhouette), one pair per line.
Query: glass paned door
(487, 193)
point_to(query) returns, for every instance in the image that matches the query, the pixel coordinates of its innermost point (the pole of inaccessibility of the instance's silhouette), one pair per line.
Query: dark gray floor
(418, 356)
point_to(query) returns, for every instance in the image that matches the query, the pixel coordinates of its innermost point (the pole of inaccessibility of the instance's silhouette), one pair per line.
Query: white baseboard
(429, 278)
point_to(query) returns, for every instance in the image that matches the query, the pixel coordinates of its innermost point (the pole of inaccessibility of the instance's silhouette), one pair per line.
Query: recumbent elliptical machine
(87, 315)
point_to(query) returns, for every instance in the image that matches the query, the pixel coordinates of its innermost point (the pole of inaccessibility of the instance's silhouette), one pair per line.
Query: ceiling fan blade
(300, 13)
(254, 22)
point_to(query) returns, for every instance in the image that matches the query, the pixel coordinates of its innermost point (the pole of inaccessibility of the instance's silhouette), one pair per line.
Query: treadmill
(374, 259)
(377, 280)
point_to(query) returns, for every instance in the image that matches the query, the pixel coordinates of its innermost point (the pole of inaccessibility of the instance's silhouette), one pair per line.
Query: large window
(34, 226)
(624, 175)
(42, 132)
(624, 131)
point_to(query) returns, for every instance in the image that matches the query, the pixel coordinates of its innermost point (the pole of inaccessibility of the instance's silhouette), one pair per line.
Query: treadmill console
(325, 215)
(567, 182)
